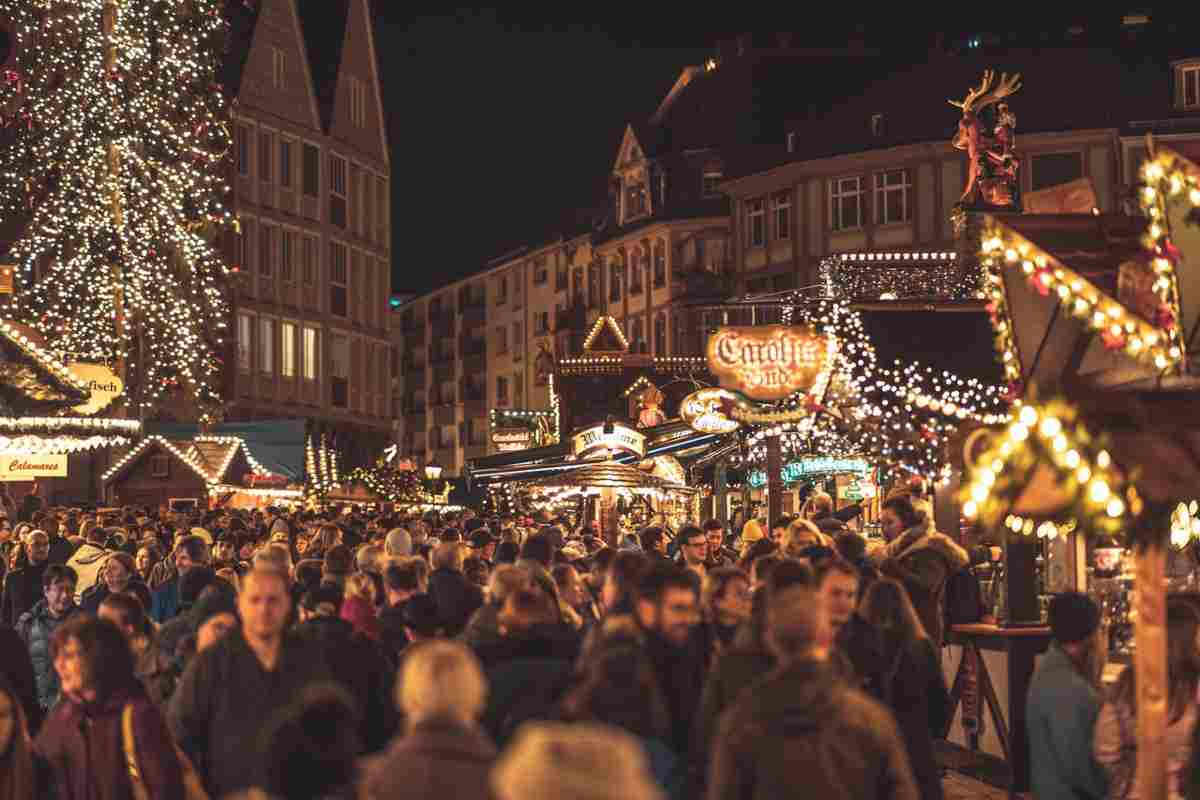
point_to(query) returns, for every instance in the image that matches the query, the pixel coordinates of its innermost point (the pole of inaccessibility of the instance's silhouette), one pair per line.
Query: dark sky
(499, 125)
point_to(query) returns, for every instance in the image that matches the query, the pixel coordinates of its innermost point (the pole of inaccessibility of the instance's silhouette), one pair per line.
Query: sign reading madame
(620, 439)
(27, 468)
(767, 362)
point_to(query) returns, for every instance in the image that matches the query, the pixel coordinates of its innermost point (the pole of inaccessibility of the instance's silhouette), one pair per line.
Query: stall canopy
(276, 444)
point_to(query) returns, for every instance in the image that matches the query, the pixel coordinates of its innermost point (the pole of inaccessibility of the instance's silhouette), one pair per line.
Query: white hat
(581, 761)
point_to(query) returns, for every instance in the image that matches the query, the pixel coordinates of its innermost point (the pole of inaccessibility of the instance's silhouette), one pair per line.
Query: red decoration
(1014, 391)
(1113, 341)
(1041, 280)
(1164, 316)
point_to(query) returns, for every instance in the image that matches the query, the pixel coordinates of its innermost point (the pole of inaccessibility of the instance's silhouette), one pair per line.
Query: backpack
(963, 598)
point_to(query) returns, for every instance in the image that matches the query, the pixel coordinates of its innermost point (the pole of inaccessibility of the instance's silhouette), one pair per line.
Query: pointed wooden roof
(32, 379)
(606, 336)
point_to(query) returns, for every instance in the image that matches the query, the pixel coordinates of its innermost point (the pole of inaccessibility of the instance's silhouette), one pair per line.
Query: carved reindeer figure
(992, 169)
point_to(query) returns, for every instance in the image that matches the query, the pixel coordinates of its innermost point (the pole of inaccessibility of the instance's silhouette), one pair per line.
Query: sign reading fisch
(594, 441)
(104, 384)
(27, 468)
(768, 362)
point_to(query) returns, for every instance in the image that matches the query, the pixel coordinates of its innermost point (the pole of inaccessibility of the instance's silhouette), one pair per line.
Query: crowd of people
(274, 654)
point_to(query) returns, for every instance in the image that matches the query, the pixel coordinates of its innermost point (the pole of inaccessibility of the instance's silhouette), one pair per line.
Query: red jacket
(84, 747)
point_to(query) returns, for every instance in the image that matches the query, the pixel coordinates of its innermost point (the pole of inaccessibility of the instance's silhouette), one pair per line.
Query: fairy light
(157, 441)
(119, 172)
(601, 323)
(900, 275)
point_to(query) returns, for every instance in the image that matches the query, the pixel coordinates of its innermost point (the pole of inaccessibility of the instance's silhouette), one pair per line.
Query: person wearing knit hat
(1064, 702)
(582, 761)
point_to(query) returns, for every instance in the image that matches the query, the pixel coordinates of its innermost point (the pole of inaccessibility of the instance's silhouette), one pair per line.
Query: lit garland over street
(116, 131)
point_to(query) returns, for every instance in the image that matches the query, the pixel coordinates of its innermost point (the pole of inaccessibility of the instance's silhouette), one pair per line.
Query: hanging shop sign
(768, 362)
(706, 411)
(27, 468)
(794, 471)
(508, 440)
(596, 442)
(104, 385)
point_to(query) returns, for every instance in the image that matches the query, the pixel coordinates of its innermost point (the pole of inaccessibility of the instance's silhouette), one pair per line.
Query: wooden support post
(720, 490)
(774, 479)
(1150, 661)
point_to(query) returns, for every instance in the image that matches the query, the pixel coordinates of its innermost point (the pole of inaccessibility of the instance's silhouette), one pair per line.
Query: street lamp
(433, 471)
(433, 483)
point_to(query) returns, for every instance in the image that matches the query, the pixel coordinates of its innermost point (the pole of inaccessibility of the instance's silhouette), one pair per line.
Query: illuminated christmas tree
(114, 130)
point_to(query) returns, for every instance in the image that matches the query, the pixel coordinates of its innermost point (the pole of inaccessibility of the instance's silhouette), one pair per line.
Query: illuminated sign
(103, 384)
(705, 411)
(26, 468)
(508, 440)
(594, 441)
(799, 470)
(768, 362)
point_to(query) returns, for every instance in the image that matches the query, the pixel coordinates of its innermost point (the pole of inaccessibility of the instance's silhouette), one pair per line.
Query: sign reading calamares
(27, 468)
(768, 362)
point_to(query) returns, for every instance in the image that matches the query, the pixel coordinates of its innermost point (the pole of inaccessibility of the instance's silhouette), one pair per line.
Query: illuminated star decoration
(116, 132)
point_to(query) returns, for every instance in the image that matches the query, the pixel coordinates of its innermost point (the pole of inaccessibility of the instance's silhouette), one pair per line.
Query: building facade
(311, 179)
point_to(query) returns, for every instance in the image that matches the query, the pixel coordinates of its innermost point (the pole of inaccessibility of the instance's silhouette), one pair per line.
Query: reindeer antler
(967, 104)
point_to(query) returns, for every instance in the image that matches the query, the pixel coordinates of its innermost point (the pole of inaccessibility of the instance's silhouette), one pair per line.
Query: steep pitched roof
(324, 28)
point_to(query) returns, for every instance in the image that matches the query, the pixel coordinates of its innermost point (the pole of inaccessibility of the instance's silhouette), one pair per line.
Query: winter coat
(732, 671)
(61, 550)
(803, 733)
(88, 561)
(1061, 716)
(1114, 743)
(22, 591)
(456, 598)
(84, 745)
(17, 667)
(158, 673)
(435, 760)
(165, 603)
(94, 596)
(36, 626)
(914, 688)
(679, 672)
(362, 616)
(359, 665)
(483, 629)
(225, 700)
(527, 676)
(922, 559)
(862, 660)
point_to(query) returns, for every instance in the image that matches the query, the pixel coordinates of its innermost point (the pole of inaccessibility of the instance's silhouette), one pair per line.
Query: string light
(603, 322)
(900, 276)
(114, 148)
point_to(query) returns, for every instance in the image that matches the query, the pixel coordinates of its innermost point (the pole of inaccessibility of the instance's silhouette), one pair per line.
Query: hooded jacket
(922, 559)
(800, 733)
(87, 562)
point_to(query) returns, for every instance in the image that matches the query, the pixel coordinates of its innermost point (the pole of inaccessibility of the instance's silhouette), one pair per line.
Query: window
(845, 204)
(635, 273)
(266, 342)
(339, 279)
(358, 103)
(312, 170)
(245, 338)
(160, 466)
(637, 337)
(893, 190)
(614, 292)
(287, 349)
(660, 265)
(519, 383)
(518, 341)
(285, 163)
(241, 144)
(279, 67)
(541, 322)
(1052, 169)
(266, 250)
(311, 353)
(337, 191)
(781, 211)
(266, 155)
(1190, 77)
(660, 335)
(560, 278)
(756, 222)
(287, 255)
(339, 365)
(712, 177)
(502, 290)
(241, 246)
(540, 273)
(310, 261)
(791, 141)
(501, 340)
(635, 200)
(501, 390)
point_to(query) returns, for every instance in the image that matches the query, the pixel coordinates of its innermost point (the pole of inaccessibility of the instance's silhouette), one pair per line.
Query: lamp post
(433, 480)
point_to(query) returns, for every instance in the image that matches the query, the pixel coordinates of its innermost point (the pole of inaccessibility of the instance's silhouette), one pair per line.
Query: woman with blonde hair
(800, 536)
(443, 753)
(358, 605)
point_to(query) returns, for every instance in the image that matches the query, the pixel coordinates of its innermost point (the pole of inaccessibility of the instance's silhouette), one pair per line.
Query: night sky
(500, 125)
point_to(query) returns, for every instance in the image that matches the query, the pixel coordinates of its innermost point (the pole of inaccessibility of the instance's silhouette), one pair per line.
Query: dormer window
(712, 178)
(635, 200)
(1189, 80)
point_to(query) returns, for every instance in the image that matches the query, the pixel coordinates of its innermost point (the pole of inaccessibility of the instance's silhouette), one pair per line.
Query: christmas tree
(114, 131)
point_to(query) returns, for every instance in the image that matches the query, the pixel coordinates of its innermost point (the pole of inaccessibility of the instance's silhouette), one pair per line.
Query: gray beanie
(397, 543)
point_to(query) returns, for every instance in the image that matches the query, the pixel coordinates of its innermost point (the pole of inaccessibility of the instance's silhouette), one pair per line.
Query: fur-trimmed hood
(921, 537)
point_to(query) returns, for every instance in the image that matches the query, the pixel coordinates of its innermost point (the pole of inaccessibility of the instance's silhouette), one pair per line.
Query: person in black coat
(913, 685)
(23, 586)
(456, 597)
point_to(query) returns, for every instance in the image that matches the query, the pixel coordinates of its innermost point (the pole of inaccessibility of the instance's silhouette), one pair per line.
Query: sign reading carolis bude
(508, 440)
(705, 411)
(594, 441)
(767, 362)
(104, 384)
(28, 468)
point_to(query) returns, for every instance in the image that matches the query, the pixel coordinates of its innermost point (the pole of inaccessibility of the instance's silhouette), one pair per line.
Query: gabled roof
(31, 376)
(210, 457)
(324, 29)
(605, 337)
(180, 450)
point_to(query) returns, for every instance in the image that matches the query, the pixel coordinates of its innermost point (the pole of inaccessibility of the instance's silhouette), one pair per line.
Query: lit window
(893, 196)
(845, 204)
(266, 341)
(1191, 86)
(311, 347)
(287, 349)
(756, 223)
(712, 178)
(245, 338)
